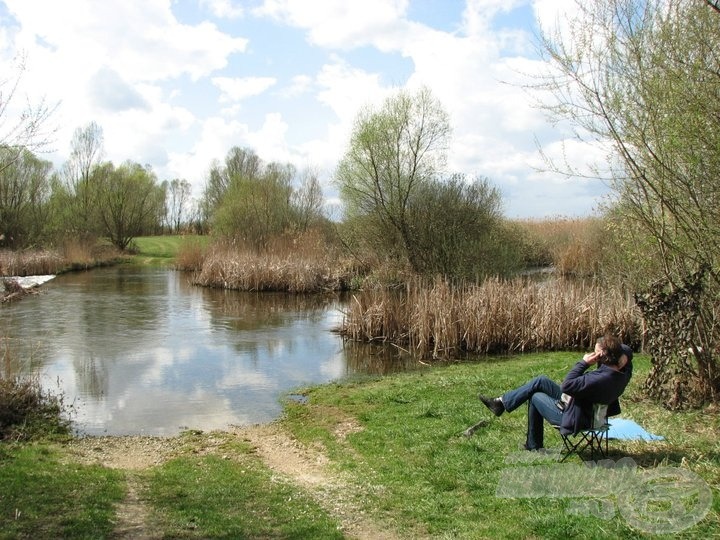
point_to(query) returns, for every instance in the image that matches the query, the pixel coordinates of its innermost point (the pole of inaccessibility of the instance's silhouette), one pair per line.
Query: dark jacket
(602, 385)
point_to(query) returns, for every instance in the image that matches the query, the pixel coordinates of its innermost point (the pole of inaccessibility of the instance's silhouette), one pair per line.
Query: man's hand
(592, 358)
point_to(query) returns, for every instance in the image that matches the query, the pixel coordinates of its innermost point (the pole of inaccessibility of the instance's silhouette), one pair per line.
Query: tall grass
(443, 321)
(190, 254)
(574, 246)
(26, 263)
(72, 255)
(289, 264)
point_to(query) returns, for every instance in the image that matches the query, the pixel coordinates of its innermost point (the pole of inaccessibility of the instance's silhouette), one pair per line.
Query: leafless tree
(178, 200)
(22, 126)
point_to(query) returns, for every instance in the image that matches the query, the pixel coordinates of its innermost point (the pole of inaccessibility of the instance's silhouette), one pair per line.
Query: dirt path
(304, 467)
(132, 514)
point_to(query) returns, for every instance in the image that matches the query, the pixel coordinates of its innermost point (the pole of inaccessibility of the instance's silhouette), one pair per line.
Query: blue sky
(176, 83)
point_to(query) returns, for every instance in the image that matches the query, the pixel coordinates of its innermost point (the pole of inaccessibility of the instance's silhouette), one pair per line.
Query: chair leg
(591, 438)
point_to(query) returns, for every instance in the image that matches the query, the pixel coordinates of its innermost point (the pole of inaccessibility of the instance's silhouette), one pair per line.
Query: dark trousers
(541, 395)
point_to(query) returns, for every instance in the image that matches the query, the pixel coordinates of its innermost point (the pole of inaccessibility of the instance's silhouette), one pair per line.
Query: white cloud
(215, 137)
(345, 89)
(553, 13)
(269, 140)
(110, 69)
(226, 9)
(143, 41)
(336, 24)
(478, 14)
(110, 92)
(237, 89)
(175, 93)
(300, 84)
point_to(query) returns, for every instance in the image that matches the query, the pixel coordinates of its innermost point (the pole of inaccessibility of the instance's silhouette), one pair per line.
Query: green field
(161, 250)
(397, 443)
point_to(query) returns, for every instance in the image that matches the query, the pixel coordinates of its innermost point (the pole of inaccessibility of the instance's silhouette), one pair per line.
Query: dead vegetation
(443, 321)
(303, 264)
(13, 291)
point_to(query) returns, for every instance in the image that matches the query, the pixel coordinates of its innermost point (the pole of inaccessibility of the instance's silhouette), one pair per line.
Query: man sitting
(570, 405)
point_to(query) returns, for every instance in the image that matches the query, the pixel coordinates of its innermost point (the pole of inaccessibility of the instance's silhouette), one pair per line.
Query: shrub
(29, 411)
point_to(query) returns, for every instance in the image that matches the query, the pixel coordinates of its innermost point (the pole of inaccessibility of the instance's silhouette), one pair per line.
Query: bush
(28, 411)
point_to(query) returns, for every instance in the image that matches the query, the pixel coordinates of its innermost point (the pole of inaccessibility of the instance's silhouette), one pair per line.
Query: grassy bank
(168, 250)
(415, 469)
(397, 443)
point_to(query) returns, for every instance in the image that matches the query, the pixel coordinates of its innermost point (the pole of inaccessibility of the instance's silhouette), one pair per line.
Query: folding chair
(595, 437)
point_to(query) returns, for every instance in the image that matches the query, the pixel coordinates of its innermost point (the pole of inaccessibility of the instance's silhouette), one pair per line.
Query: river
(142, 351)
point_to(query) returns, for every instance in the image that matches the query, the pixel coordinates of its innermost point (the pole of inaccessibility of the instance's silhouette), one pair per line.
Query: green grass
(398, 439)
(416, 469)
(43, 496)
(161, 250)
(215, 496)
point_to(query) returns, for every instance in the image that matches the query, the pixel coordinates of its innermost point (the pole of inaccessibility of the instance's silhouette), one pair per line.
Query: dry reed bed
(286, 272)
(31, 263)
(443, 321)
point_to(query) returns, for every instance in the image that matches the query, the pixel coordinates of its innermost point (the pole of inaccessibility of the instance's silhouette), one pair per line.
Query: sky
(175, 84)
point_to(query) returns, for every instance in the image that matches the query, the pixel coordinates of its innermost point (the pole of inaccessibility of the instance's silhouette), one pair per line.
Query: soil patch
(308, 468)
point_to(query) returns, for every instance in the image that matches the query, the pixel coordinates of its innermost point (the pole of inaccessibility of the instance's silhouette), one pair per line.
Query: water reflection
(143, 351)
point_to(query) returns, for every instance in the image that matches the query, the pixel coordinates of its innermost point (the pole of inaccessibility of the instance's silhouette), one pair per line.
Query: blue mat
(629, 430)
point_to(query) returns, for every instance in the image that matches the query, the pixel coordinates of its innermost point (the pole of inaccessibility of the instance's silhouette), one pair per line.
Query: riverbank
(379, 457)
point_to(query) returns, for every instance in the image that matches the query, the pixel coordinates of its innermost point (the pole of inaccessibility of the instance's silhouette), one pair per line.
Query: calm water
(141, 351)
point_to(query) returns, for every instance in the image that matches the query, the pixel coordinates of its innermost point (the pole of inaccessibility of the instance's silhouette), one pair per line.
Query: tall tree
(130, 201)
(258, 206)
(239, 163)
(178, 199)
(24, 195)
(392, 151)
(253, 201)
(86, 154)
(308, 199)
(458, 230)
(644, 77)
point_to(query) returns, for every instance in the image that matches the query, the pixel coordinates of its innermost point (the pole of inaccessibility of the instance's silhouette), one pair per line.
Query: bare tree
(87, 149)
(308, 199)
(22, 127)
(178, 200)
(643, 76)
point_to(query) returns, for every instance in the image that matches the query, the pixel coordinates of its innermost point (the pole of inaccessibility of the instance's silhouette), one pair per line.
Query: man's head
(610, 349)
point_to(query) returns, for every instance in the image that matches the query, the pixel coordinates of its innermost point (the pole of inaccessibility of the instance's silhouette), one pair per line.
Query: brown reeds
(444, 321)
(72, 255)
(190, 256)
(573, 246)
(294, 264)
(27, 410)
(30, 263)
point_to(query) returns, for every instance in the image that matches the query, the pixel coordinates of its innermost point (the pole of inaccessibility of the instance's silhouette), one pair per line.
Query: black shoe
(494, 404)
